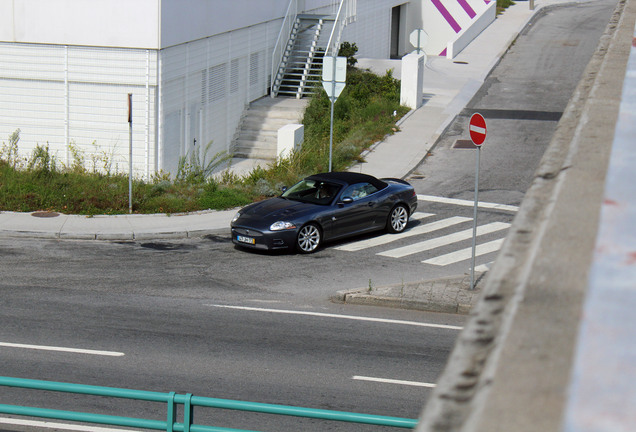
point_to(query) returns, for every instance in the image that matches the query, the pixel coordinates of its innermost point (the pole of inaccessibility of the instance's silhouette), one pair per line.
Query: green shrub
(224, 198)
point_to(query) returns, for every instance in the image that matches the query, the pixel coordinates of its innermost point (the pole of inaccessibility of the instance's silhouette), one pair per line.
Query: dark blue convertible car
(325, 207)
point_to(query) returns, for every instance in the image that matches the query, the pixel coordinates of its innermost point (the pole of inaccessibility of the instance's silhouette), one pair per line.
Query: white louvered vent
(217, 86)
(234, 75)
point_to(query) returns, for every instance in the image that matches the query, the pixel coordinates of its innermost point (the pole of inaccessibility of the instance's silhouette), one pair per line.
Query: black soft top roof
(350, 178)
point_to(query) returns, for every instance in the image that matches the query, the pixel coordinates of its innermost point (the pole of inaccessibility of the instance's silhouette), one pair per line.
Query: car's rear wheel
(308, 239)
(398, 218)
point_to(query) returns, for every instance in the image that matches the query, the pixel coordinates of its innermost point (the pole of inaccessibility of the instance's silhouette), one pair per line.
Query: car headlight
(236, 216)
(281, 225)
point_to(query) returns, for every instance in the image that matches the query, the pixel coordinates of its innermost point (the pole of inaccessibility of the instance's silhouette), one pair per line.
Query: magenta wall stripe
(464, 4)
(447, 16)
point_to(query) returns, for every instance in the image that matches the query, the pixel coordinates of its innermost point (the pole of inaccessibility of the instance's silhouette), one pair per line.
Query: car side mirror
(283, 189)
(346, 200)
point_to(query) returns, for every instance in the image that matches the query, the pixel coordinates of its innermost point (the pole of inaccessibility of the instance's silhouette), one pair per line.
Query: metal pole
(472, 266)
(331, 131)
(332, 96)
(531, 4)
(130, 153)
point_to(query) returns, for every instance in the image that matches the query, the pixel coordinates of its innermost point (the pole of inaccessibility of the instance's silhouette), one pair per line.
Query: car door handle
(371, 204)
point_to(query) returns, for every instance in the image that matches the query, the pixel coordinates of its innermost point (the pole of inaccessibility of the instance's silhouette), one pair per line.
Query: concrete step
(260, 124)
(255, 153)
(257, 137)
(289, 114)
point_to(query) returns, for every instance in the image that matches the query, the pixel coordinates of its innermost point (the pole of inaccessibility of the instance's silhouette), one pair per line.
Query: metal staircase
(303, 41)
(301, 65)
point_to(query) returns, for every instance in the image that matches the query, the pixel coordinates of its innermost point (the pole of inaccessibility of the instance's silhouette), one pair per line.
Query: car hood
(275, 209)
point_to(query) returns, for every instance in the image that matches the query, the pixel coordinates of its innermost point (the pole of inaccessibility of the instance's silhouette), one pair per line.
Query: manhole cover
(45, 214)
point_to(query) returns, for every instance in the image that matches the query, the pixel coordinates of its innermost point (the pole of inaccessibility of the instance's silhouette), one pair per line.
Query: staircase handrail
(342, 19)
(285, 29)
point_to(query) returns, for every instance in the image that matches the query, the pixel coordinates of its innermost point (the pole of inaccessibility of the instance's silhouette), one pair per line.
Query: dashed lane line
(337, 316)
(62, 349)
(393, 381)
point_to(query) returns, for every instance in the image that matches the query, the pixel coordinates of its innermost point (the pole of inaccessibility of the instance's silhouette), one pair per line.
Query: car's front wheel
(398, 218)
(308, 239)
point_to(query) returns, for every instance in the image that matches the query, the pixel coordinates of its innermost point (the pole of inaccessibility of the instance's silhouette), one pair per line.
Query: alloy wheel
(308, 238)
(398, 219)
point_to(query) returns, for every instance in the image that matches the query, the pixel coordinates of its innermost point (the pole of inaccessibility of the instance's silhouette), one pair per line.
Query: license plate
(244, 239)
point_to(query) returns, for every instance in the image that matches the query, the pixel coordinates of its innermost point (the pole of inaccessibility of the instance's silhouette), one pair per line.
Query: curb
(447, 295)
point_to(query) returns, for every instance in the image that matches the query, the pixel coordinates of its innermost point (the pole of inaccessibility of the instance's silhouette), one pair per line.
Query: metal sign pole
(331, 133)
(472, 266)
(332, 97)
(130, 153)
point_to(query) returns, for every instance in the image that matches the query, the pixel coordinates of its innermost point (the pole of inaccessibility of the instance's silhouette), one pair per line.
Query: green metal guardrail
(172, 400)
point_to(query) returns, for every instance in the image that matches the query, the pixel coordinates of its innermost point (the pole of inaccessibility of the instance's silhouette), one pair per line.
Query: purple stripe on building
(447, 16)
(464, 4)
(443, 53)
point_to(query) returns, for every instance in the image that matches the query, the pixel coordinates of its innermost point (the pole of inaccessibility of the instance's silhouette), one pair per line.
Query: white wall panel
(114, 23)
(372, 29)
(78, 95)
(206, 85)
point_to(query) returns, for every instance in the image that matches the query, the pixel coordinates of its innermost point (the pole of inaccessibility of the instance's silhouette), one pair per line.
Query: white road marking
(420, 215)
(393, 381)
(467, 203)
(418, 230)
(464, 254)
(477, 129)
(63, 426)
(444, 240)
(348, 317)
(482, 268)
(63, 349)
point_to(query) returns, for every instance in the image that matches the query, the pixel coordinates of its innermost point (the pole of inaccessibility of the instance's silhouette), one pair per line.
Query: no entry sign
(477, 129)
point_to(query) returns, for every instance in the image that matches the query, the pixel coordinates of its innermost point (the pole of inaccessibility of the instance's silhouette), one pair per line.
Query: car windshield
(312, 191)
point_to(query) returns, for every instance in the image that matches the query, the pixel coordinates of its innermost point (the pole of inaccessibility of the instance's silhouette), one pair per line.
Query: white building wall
(65, 95)
(372, 29)
(187, 20)
(113, 23)
(66, 69)
(205, 87)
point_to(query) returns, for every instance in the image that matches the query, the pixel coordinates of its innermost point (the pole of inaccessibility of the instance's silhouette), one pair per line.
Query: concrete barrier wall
(467, 35)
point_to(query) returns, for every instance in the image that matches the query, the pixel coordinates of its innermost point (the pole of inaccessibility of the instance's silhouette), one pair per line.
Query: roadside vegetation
(502, 5)
(365, 112)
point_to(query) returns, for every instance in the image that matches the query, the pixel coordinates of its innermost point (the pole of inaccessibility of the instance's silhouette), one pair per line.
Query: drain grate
(45, 214)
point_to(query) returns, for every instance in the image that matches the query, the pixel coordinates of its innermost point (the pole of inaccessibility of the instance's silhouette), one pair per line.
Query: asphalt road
(194, 344)
(522, 100)
(163, 304)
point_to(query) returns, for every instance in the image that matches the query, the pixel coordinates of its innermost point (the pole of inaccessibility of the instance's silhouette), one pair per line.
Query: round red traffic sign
(477, 129)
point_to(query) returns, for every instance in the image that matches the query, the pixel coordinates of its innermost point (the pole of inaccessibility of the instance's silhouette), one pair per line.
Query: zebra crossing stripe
(464, 254)
(418, 230)
(444, 240)
(467, 203)
(482, 268)
(420, 215)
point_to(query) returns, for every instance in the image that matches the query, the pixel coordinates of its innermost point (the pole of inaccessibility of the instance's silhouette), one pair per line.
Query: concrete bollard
(411, 90)
(290, 138)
